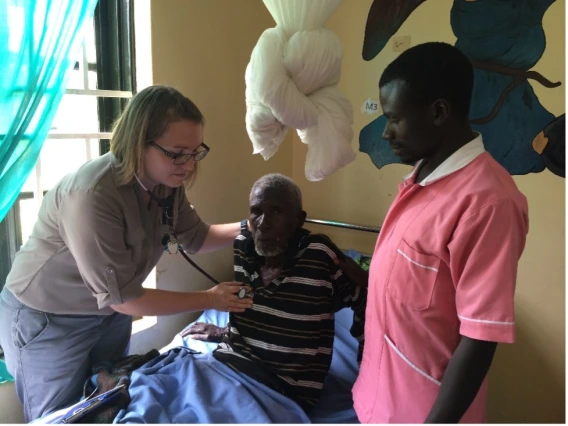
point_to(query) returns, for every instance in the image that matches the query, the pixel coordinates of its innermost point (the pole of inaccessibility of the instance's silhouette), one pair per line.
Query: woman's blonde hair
(145, 119)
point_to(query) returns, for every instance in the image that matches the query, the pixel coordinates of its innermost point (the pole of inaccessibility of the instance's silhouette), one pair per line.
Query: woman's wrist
(208, 297)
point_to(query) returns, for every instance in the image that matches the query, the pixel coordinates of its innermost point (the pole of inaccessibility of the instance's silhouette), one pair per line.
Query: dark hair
(434, 71)
(281, 182)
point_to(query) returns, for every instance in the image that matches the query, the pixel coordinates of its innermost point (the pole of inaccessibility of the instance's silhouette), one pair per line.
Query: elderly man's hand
(354, 272)
(205, 332)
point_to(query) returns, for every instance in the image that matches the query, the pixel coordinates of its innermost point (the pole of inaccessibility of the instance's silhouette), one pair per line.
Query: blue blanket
(181, 387)
(336, 403)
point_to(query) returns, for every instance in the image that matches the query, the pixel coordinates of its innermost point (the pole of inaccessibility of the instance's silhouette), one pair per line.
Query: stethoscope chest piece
(243, 293)
(172, 247)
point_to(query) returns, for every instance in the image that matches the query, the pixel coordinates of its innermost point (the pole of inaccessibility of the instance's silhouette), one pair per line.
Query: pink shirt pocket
(413, 277)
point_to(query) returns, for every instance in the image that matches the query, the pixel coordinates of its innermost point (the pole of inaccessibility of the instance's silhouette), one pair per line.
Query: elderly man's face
(273, 220)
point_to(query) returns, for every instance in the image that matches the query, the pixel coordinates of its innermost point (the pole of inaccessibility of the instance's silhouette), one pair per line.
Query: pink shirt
(445, 266)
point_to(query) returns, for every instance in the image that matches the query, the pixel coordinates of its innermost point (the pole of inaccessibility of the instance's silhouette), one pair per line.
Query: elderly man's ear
(302, 219)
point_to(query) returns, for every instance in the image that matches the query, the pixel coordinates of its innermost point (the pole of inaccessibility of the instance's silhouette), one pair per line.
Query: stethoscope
(171, 243)
(242, 293)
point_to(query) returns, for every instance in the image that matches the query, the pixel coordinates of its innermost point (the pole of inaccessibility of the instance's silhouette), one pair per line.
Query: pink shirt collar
(457, 161)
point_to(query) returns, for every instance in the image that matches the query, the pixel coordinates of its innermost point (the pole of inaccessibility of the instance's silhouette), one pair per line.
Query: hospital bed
(335, 406)
(187, 385)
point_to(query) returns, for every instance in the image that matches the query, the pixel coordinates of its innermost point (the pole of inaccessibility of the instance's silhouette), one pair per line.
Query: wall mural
(504, 40)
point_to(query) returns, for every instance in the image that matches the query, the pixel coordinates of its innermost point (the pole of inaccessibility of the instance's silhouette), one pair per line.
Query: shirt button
(110, 270)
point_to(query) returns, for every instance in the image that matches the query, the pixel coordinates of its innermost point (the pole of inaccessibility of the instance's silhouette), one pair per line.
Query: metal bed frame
(344, 225)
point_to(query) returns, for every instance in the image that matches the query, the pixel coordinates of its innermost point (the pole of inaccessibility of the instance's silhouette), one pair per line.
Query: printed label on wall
(371, 107)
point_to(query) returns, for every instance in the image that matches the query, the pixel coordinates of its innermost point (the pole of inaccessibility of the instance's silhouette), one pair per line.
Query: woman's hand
(223, 297)
(354, 272)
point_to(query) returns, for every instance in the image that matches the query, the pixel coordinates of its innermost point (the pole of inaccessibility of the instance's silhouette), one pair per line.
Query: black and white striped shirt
(286, 339)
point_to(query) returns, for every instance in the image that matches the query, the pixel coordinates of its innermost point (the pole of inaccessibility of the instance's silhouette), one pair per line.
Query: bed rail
(344, 225)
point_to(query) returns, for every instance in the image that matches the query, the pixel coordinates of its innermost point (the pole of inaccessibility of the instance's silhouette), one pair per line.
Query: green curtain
(4, 375)
(38, 40)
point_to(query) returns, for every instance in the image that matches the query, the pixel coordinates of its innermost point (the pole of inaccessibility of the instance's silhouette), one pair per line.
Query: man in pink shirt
(442, 279)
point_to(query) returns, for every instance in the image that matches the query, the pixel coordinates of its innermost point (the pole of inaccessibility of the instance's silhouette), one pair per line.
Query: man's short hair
(434, 71)
(276, 180)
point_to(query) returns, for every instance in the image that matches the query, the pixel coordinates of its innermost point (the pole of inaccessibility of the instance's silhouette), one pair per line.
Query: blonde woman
(69, 299)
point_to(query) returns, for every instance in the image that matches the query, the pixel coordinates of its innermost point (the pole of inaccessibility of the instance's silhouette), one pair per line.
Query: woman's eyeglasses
(180, 159)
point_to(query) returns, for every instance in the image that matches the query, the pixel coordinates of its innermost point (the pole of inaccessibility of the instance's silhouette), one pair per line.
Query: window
(98, 88)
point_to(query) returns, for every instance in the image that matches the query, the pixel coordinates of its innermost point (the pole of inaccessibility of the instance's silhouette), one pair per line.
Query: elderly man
(285, 340)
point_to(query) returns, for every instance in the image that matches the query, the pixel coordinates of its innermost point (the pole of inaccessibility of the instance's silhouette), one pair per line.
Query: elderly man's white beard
(261, 250)
(268, 252)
